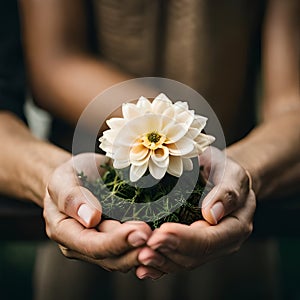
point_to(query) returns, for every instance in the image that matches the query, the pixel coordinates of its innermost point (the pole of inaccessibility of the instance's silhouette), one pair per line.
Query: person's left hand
(187, 247)
(73, 214)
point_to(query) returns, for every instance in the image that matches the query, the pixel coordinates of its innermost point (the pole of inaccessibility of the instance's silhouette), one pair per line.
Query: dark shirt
(12, 75)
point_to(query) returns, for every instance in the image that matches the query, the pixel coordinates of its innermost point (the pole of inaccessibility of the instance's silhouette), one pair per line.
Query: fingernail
(137, 239)
(217, 211)
(85, 213)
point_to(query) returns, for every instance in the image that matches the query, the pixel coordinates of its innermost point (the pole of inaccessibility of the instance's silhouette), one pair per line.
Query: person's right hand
(73, 216)
(227, 211)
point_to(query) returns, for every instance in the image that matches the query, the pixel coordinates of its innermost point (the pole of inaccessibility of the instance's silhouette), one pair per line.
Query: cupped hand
(228, 211)
(187, 247)
(231, 185)
(73, 216)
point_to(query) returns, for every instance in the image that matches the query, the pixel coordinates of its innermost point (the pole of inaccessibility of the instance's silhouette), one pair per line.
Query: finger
(178, 243)
(191, 246)
(80, 204)
(71, 198)
(143, 272)
(226, 196)
(108, 225)
(220, 201)
(90, 242)
(150, 258)
(122, 263)
(136, 238)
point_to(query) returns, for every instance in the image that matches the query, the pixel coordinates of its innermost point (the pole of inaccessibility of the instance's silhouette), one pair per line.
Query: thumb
(220, 201)
(80, 204)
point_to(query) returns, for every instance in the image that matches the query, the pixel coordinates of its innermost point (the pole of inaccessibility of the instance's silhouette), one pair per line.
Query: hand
(73, 214)
(231, 182)
(186, 247)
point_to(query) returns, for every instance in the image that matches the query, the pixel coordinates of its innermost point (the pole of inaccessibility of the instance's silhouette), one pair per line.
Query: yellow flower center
(153, 137)
(153, 140)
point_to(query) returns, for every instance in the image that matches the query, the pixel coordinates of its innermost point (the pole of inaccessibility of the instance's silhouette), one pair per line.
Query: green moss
(172, 202)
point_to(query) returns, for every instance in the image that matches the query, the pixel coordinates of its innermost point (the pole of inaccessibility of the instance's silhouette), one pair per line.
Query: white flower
(159, 136)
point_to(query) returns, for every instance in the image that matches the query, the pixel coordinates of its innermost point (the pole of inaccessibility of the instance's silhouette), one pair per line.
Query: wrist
(244, 160)
(43, 159)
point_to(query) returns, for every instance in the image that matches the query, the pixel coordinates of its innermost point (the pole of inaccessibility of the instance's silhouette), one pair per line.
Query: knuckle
(66, 201)
(231, 198)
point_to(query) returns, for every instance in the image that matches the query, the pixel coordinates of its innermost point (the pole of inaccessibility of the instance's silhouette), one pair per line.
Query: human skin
(33, 170)
(71, 77)
(270, 153)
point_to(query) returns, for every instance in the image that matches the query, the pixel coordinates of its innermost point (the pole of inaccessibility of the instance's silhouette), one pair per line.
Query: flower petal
(175, 166)
(116, 123)
(192, 133)
(195, 152)
(138, 152)
(160, 154)
(174, 132)
(141, 161)
(110, 135)
(185, 118)
(136, 172)
(187, 164)
(163, 97)
(121, 153)
(144, 104)
(161, 103)
(106, 146)
(181, 147)
(156, 171)
(130, 111)
(120, 164)
(199, 122)
(203, 141)
(182, 105)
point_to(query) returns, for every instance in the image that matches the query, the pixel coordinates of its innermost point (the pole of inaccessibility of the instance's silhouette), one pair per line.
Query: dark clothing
(12, 74)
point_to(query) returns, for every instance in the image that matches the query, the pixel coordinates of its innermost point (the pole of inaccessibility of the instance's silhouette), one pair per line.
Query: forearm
(271, 152)
(64, 74)
(26, 162)
(271, 155)
(70, 82)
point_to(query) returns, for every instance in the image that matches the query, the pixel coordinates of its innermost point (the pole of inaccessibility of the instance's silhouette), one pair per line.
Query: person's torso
(212, 46)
